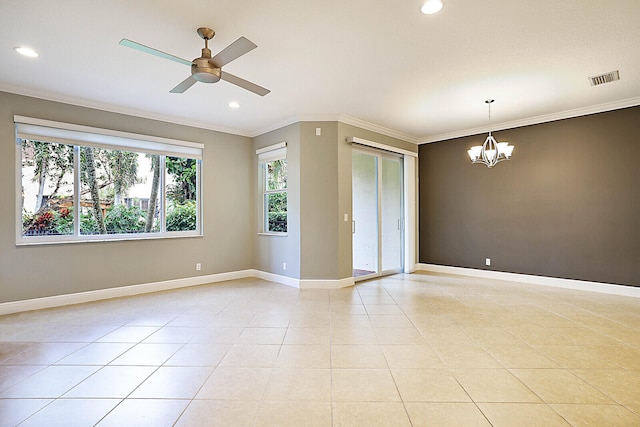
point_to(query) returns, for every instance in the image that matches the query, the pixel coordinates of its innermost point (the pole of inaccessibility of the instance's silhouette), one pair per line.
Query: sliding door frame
(379, 156)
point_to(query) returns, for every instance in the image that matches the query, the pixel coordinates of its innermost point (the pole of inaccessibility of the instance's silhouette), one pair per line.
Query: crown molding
(594, 109)
(111, 108)
(275, 126)
(348, 120)
(342, 118)
(82, 102)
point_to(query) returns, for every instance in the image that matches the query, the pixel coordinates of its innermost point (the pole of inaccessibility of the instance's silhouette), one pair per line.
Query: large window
(273, 181)
(79, 183)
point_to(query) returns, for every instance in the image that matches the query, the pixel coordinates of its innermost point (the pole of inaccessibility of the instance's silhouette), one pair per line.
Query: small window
(273, 176)
(275, 196)
(80, 183)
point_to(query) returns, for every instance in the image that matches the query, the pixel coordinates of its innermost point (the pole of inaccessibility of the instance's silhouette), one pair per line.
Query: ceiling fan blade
(184, 85)
(152, 51)
(233, 51)
(251, 87)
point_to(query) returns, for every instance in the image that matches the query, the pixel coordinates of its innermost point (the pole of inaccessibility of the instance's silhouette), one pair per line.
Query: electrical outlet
(198, 266)
(318, 131)
(284, 265)
(487, 261)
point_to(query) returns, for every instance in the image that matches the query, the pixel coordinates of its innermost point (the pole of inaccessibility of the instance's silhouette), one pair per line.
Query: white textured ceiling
(378, 61)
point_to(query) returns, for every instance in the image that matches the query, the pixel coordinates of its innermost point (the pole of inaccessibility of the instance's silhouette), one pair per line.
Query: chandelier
(491, 152)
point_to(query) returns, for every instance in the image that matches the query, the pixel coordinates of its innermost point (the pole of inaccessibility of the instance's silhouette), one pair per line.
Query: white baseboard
(124, 291)
(101, 294)
(327, 284)
(305, 283)
(271, 277)
(579, 285)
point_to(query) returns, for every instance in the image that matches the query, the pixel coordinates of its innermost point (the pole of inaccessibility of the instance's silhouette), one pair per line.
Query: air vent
(605, 78)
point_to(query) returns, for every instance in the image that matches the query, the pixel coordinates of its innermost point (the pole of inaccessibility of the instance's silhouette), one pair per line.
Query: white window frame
(77, 136)
(267, 155)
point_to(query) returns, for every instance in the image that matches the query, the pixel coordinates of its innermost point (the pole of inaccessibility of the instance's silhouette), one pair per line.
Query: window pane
(181, 193)
(114, 187)
(47, 188)
(277, 175)
(276, 204)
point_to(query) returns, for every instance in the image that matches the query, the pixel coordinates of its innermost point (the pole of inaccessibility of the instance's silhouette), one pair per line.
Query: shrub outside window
(77, 185)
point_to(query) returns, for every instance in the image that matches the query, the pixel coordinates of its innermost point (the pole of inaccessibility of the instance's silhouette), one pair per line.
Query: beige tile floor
(406, 350)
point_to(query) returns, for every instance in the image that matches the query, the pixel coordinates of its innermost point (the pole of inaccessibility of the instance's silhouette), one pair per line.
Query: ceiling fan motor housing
(204, 71)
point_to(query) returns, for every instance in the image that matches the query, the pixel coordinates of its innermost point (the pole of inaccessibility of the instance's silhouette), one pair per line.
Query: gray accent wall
(228, 183)
(567, 205)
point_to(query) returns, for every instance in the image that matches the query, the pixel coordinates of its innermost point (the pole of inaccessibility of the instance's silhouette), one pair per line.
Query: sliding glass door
(377, 213)
(365, 214)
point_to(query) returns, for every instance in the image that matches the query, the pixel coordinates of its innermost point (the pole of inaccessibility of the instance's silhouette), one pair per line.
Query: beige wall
(271, 251)
(317, 245)
(318, 201)
(228, 204)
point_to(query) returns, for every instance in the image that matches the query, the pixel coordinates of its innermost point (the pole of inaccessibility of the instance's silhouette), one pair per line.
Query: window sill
(100, 238)
(273, 234)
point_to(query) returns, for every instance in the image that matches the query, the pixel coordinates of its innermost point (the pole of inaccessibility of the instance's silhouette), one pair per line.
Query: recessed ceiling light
(234, 105)
(431, 6)
(26, 51)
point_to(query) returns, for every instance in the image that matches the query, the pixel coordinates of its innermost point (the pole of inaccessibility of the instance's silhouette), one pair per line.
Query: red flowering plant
(41, 224)
(50, 222)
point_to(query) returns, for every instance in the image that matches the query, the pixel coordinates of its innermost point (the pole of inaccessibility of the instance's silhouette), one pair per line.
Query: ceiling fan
(206, 69)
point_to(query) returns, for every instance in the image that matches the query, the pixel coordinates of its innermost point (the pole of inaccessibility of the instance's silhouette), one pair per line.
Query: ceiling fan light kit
(207, 69)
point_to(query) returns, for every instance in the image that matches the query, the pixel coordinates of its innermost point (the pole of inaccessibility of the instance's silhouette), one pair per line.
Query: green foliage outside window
(277, 212)
(106, 176)
(275, 197)
(182, 217)
(181, 194)
(123, 219)
(184, 173)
